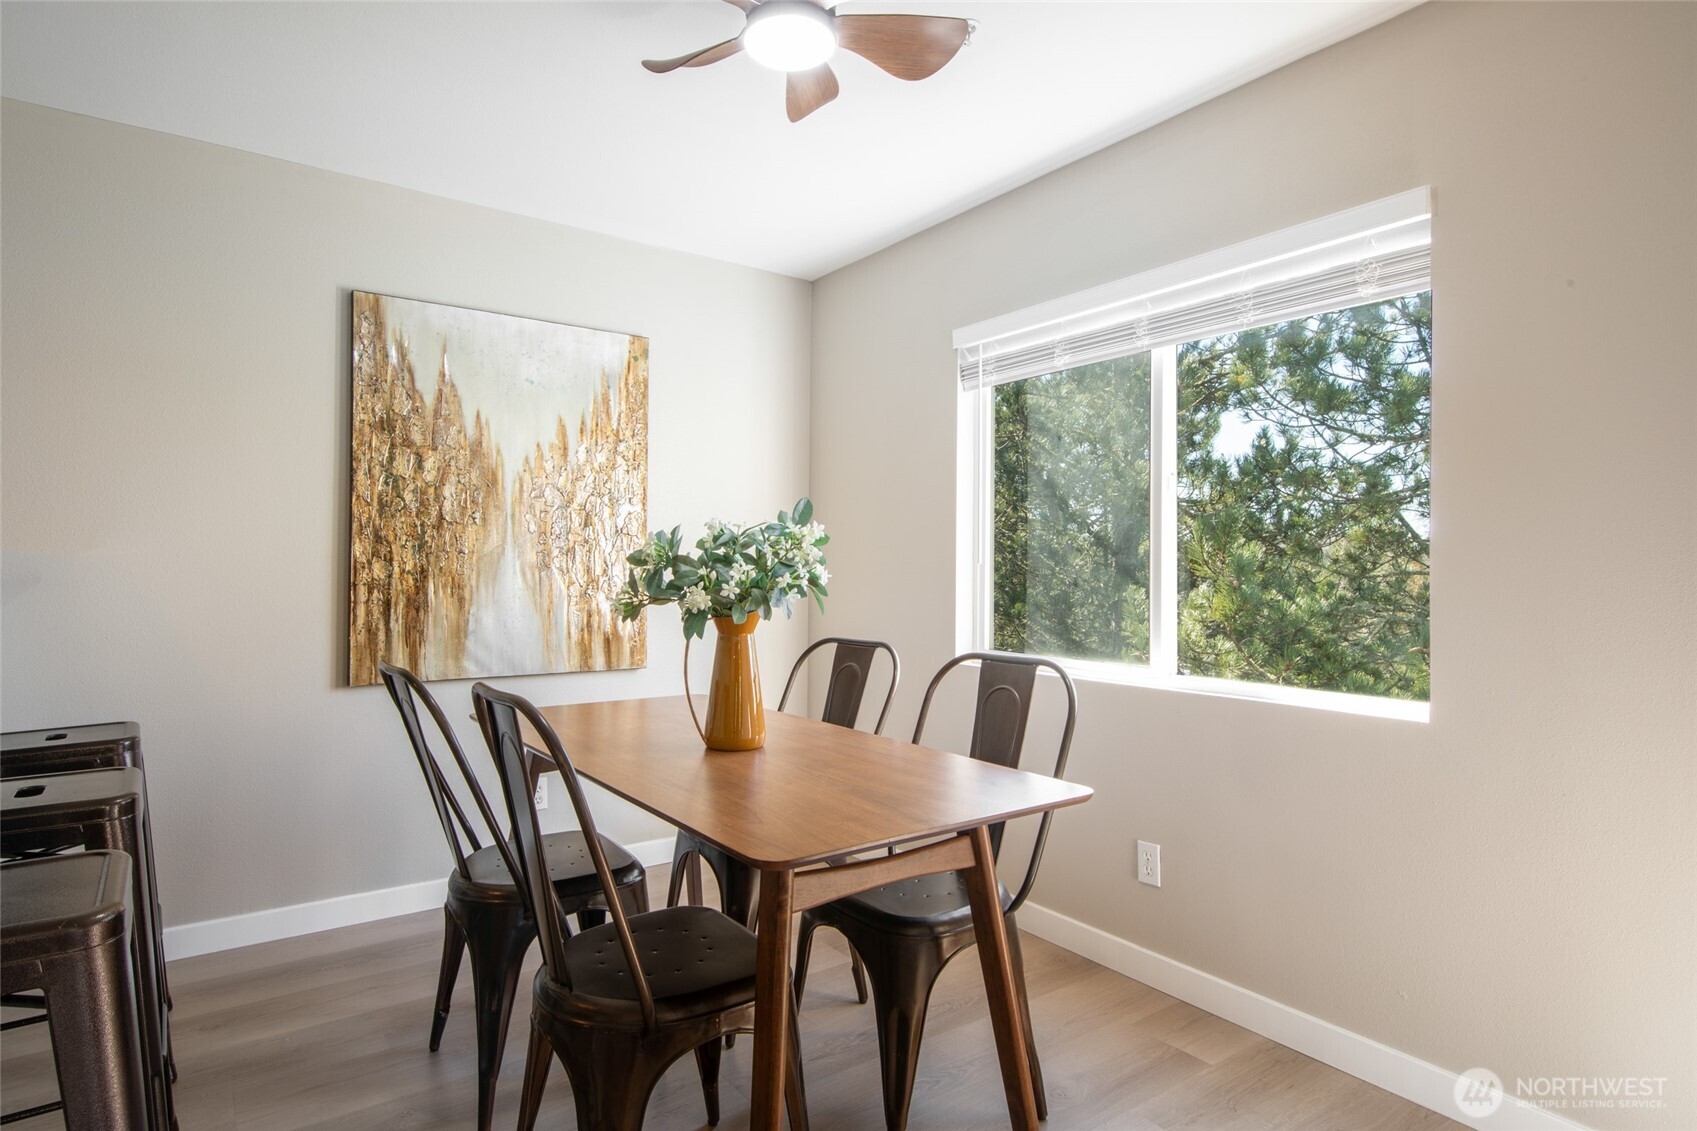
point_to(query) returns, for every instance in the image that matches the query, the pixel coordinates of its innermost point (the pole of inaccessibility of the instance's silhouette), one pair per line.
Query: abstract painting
(493, 507)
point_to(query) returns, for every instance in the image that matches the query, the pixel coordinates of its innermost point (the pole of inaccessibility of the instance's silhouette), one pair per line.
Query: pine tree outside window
(1242, 506)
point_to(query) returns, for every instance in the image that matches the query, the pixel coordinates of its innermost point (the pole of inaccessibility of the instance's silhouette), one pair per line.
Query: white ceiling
(542, 108)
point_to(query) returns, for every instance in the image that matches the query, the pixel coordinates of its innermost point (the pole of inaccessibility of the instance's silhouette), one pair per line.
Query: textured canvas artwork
(493, 506)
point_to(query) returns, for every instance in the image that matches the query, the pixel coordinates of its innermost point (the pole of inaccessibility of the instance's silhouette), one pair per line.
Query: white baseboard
(1396, 1072)
(191, 939)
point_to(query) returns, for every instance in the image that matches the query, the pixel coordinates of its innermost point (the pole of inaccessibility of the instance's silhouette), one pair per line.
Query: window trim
(975, 471)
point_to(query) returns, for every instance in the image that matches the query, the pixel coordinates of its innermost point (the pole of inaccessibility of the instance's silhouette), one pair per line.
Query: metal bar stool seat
(65, 931)
(104, 809)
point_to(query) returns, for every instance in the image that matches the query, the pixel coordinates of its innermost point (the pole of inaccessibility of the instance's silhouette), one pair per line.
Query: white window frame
(1227, 270)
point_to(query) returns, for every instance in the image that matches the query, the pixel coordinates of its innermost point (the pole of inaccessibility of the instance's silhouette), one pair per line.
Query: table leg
(771, 1000)
(999, 984)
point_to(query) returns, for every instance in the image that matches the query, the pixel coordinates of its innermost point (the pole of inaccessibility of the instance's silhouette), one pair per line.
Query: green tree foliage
(1071, 568)
(1306, 559)
(1304, 488)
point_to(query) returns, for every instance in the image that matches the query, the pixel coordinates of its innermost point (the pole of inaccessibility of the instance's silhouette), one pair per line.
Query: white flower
(728, 592)
(824, 576)
(695, 600)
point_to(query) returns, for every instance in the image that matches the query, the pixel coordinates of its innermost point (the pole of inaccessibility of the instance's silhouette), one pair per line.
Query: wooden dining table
(817, 793)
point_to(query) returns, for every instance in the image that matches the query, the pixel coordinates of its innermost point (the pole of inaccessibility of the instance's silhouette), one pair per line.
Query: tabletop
(813, 792)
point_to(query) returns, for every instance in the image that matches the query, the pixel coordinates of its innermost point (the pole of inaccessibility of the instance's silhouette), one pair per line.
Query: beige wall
(176, 416)
(1510, 885)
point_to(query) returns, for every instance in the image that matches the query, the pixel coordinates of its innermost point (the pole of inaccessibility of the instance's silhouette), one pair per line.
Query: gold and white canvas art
(493, 505)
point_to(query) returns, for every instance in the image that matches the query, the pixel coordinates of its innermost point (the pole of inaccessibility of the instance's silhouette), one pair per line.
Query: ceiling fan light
(789, 35)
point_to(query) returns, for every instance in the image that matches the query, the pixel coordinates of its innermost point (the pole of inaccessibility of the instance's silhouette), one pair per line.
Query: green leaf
(803, 511)
(738, 614)
(819, 600)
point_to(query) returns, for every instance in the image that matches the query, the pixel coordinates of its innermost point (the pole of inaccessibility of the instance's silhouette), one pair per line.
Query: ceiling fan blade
(696, 58)
(909, 47)
(806, 91)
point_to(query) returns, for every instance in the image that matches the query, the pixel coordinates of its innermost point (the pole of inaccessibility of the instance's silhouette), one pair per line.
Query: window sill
(1135, 675)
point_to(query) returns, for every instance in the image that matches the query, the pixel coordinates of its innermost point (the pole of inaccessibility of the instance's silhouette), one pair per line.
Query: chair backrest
(499, 713)
(1006, 685)
(851, 670)
(407, 692)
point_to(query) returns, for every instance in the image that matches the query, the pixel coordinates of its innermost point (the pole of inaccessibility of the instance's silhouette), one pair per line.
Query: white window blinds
(1377, 251)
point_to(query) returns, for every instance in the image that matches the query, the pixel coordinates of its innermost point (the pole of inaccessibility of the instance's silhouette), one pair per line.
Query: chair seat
(569, 865)
(924, 905)
(697, 961)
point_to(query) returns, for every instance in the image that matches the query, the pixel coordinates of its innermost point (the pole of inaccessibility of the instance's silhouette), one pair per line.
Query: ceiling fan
(800, 36)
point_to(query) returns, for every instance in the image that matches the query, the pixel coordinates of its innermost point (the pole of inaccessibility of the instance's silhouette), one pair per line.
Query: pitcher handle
(690, 699)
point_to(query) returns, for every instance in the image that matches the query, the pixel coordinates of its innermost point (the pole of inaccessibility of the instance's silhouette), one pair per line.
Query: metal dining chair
(620, 1003)
(851, 673)
(485, 912)
(907, 932)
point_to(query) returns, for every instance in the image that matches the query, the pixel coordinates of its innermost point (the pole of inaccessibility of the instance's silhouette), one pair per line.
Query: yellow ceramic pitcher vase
(736, 717)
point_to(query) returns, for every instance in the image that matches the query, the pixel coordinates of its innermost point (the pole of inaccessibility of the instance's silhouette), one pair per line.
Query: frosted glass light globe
(789, 35)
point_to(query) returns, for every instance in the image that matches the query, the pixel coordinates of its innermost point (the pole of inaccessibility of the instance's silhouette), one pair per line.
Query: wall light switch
(1149, 863)
(542, 793)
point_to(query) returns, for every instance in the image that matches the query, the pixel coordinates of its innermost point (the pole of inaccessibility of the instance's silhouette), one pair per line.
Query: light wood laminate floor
(330, 1030)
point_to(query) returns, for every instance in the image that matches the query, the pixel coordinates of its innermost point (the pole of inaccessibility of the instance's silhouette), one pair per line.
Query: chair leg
(537, 1060)
(737, 886)
(98, 1059)
(497, 939)
(858, 969)
(613, 1075)
(453, 946)
(795, 1089)
(681, 857)
(707, 1063)
(902, 972)
(693, 878)
(1018, 957)
(803, 953)
(590, 918)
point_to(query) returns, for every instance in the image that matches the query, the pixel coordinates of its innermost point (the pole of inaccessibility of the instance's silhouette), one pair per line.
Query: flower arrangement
(733, 573)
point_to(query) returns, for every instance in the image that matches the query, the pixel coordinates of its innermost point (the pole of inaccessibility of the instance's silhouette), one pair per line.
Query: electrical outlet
(1149, 863)
(542, 793)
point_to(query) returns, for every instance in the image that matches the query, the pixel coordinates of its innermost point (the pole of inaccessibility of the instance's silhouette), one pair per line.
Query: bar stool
(103, 809)
(65, 931)
(97, 746)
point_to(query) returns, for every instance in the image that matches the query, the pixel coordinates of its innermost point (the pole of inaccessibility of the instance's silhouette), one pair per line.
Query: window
(1221, 482)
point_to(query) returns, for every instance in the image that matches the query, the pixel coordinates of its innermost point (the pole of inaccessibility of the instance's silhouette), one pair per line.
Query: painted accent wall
(175, 318)
(1510, 885)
